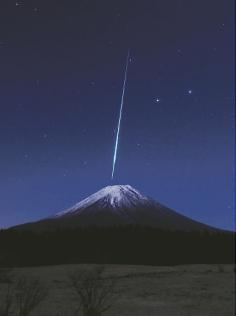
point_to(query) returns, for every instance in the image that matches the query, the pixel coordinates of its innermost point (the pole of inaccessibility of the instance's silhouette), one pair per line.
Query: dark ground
(192, 290)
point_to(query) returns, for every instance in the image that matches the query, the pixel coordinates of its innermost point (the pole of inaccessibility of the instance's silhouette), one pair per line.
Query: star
(45, 135)
(222, 26)
(19, 3)
(158, 100)
(190, 91)
(65, 174)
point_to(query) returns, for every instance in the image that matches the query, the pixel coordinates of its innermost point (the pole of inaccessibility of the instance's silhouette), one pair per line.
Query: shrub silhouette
(95, 293)
(20, 296)
(29, 293)
(7, 300)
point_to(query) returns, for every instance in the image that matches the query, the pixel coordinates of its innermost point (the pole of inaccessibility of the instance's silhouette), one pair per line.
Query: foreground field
(196, 290)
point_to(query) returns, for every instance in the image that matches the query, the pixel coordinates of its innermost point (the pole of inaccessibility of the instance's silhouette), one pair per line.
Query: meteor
(120, 117)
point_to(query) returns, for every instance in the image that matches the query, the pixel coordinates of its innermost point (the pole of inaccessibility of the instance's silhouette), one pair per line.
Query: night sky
(61, 74)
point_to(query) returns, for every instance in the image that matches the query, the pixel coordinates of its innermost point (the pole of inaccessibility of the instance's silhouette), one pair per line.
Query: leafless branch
(29, 293)
(95, 293)
(6, 300)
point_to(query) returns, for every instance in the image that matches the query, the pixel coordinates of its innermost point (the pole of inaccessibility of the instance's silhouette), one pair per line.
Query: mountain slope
(118, 205)
(115, 225)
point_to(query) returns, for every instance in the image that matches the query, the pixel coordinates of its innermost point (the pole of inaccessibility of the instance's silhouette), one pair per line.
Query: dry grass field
(194, 290)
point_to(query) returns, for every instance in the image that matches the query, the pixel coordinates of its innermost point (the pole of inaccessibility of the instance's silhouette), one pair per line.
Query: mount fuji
(118, 205)
(119, 225)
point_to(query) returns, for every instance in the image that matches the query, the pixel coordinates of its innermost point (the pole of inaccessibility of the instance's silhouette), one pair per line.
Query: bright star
(158, 100)
(190, 91)
(19, 3)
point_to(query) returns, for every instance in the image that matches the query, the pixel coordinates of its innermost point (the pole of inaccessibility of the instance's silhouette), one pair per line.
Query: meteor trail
(120, 116)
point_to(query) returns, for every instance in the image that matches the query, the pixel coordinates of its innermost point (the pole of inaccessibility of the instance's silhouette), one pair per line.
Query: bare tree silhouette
(6, 293)
(29, 293)
(7, 300)
(94, 292)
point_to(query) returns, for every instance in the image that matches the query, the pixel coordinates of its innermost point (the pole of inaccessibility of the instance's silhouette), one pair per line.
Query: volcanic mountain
(115, 225)
(118, 205)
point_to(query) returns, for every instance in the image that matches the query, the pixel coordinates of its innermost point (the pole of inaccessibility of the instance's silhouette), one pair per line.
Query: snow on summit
(118, 194)
(115, 196)
(118, 205)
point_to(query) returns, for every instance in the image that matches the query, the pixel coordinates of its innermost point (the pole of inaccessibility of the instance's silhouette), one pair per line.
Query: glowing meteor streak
(120, 116)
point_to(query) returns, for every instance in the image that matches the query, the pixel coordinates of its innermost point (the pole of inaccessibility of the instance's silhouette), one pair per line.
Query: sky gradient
(62, 70)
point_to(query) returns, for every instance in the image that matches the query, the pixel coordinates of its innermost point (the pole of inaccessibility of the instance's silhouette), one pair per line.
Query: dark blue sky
(62, 66)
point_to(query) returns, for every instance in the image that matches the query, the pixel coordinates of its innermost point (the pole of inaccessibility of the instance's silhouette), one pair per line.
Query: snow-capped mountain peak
(114, 196)
(118, 194)
(119, 205)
